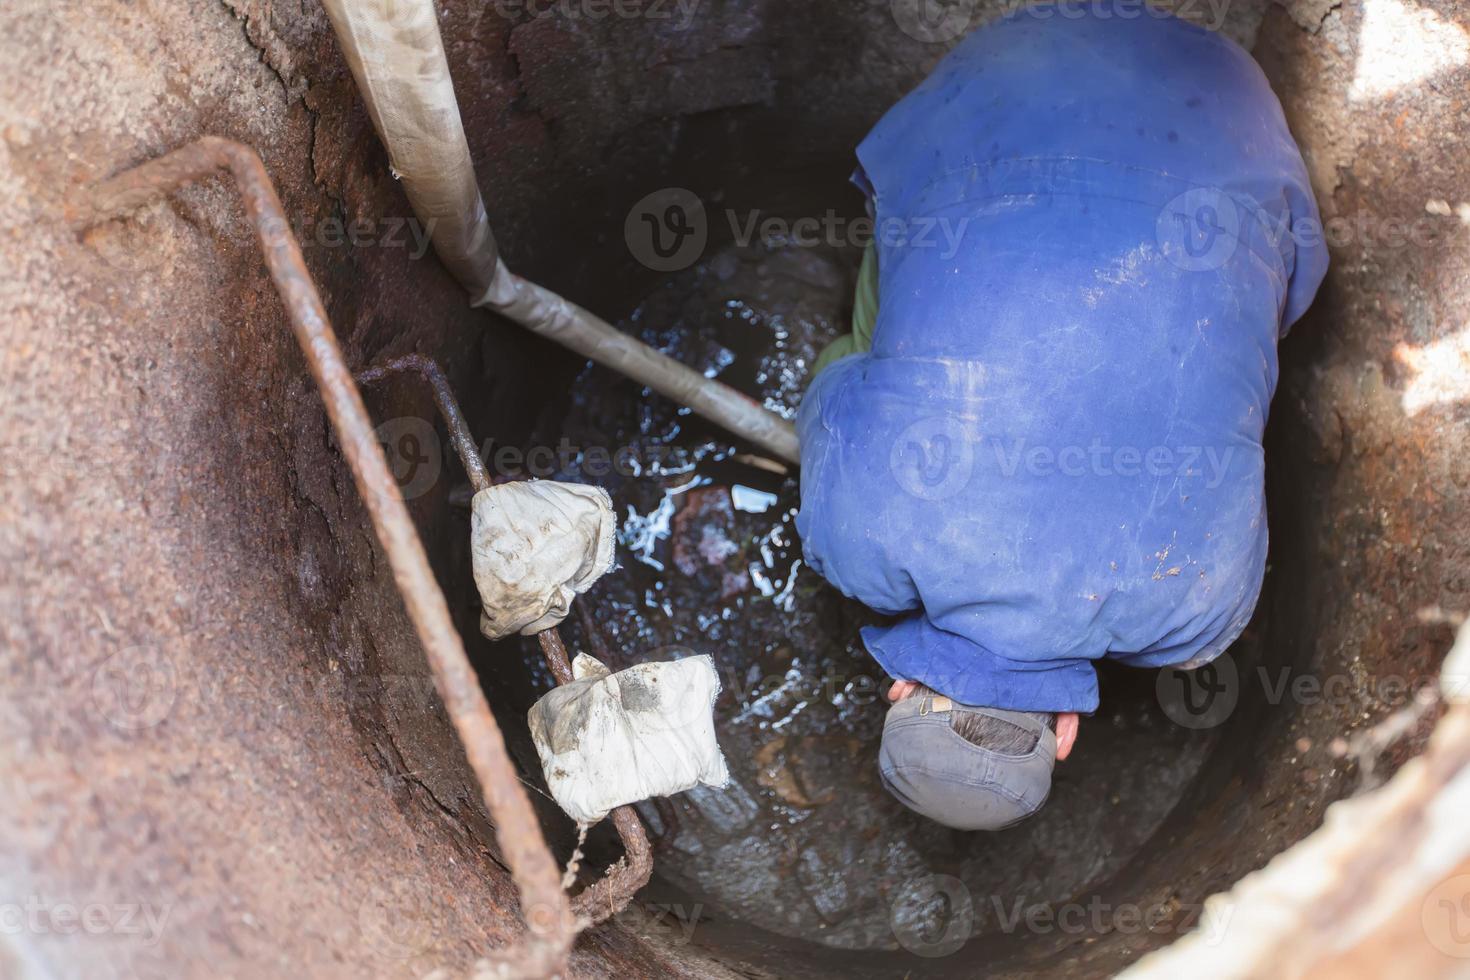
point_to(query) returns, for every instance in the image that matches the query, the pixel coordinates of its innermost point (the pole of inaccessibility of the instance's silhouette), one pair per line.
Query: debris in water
(804, 841)
(750, 500)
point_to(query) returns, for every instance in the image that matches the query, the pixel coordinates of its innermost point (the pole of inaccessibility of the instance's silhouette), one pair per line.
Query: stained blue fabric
(1092, 232)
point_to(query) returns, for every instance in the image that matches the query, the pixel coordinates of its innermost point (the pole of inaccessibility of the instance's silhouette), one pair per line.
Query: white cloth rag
(608, 739)
(534, 546)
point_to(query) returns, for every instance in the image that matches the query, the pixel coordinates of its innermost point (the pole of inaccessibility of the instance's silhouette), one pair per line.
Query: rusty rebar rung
(544, 905)
(612, 893)
(459, 430)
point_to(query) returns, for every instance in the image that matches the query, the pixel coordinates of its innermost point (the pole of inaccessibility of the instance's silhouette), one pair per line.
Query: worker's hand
(1066, 733)
(901, 690)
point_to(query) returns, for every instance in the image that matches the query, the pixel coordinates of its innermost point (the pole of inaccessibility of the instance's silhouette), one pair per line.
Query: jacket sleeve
(915, 649)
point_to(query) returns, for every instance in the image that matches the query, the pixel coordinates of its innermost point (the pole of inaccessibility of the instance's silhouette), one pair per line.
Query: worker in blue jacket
(1041, 444)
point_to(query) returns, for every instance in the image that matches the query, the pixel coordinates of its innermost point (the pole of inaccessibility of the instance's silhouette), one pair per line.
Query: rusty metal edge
(551, 925)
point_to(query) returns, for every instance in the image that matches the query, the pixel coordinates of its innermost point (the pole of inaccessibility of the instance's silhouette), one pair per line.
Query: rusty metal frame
(612, 893)
(551, 923)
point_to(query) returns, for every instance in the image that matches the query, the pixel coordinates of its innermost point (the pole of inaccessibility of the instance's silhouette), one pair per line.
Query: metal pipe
(459, 430)
(396, 55)
(544, 905)
(577, 329)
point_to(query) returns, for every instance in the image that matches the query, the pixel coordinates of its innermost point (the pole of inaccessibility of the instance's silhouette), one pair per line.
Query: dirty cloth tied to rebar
(535, 546)
(609, 739)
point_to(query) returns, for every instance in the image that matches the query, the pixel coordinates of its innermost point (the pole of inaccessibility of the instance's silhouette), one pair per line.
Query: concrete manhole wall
(222, 750)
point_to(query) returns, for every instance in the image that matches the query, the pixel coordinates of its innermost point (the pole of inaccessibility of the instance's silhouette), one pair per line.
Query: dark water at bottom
(805, 842)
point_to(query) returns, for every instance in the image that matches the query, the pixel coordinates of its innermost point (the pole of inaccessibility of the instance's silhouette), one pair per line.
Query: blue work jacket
(1092, 231)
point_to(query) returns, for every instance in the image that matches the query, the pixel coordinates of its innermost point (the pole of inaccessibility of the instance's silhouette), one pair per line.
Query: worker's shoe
(966, 767)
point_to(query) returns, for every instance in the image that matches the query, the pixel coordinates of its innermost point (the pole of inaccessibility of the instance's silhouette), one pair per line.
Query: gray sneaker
(966, 767)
